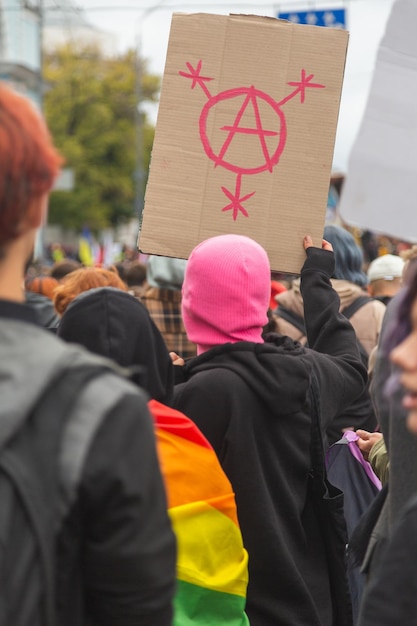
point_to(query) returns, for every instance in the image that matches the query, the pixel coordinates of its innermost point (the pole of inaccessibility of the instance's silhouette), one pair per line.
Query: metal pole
(140, 114)
(40, 238)
(40, 38)
(140, 171)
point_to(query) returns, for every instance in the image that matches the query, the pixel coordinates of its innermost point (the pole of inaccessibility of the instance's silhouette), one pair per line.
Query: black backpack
(298, 321)
(30, 515)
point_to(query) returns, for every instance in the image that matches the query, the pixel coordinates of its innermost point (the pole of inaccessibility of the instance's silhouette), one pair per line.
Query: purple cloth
(352, 437)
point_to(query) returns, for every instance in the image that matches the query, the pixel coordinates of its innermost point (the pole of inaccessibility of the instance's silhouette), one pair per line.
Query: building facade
(20, 46)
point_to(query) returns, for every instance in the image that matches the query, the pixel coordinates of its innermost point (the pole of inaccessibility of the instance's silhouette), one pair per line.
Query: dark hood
(114, 324)
(269, 369)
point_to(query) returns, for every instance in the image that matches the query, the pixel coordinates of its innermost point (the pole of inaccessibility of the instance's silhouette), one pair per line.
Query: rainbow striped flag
(212, 564)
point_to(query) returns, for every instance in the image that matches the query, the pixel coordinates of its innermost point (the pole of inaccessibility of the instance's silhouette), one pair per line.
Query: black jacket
(252, 401)
(115, 549)
(44, 310)
(392, 589)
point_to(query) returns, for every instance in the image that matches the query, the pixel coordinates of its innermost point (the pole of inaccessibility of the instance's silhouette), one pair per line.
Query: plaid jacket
(164, 306)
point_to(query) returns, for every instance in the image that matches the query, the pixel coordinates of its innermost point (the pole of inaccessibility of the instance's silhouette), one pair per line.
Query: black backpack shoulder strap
(328, 505)
(298, 322)
(30, 461)
(100, 398)
(348, 312)
(292, 318)
(355, 306)
(317, 445)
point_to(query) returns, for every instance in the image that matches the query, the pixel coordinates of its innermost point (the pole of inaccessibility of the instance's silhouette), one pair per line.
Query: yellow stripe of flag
(210, 549)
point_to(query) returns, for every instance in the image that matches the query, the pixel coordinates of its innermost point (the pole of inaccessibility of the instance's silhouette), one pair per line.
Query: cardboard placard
(245, 135)
(379, 191)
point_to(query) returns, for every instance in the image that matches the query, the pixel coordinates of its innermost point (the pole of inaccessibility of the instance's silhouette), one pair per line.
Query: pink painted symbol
(252, 107)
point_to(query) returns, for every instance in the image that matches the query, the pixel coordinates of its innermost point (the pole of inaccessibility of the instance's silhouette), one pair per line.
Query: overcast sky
(146, 26)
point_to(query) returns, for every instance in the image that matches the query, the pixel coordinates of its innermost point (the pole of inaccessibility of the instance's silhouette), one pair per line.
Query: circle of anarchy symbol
(251, 97)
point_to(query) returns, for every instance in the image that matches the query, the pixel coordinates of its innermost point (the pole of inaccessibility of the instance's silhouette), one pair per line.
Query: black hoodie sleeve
(129, 554)
(334, 350)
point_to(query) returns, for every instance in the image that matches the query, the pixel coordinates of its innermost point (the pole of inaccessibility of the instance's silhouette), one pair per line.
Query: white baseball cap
(386, 267)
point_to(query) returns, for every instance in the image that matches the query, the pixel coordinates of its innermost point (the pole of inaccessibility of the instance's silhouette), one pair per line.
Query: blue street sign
(333, 18)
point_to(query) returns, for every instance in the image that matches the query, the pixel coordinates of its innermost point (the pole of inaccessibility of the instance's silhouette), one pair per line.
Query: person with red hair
(84, 279)
(29, 164)
(97, 546)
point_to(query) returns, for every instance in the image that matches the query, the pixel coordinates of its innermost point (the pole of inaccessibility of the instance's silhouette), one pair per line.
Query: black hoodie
(252, 402)
(112, 323)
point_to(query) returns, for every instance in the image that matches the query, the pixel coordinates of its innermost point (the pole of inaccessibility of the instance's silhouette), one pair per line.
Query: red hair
(29, 162)
(82, 280)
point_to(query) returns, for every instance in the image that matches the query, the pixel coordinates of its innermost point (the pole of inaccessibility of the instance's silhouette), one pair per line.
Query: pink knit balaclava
(226, 291)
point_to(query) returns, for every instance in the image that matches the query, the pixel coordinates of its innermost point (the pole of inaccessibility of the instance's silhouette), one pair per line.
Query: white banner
(379, 192)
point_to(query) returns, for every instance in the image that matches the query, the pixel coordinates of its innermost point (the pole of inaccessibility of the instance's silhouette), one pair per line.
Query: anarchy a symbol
(271, 139)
